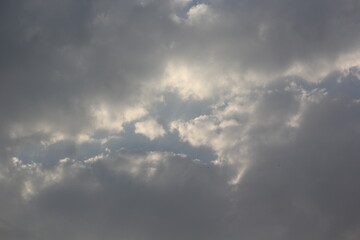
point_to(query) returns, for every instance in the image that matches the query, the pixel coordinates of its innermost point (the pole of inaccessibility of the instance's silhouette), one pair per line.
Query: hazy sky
(180, 120)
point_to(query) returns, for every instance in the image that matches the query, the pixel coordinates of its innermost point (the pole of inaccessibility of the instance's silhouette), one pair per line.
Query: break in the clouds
(153, 119)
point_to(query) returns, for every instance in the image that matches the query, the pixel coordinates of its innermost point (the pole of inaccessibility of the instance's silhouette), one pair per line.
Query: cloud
(297, 182)
(154, 194)
(299, 187)
(150, 128)
(74, 57)
(156, 119)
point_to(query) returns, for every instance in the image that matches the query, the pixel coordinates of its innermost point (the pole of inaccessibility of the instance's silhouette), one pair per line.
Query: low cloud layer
(179, 119)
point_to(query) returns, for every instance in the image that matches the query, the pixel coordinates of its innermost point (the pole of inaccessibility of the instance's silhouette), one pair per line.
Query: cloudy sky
(179, 119)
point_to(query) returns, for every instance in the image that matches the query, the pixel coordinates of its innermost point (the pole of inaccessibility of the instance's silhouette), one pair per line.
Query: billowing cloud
(155, 119)
(150, 128)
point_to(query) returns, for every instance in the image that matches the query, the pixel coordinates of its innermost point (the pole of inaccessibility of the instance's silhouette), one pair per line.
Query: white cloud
(106, 117)
(150, 128)
(201, 14)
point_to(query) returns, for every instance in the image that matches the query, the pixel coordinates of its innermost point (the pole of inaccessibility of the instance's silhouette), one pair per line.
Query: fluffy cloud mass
(181, 119)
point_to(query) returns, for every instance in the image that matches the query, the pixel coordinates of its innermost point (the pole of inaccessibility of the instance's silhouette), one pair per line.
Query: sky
(179, 119)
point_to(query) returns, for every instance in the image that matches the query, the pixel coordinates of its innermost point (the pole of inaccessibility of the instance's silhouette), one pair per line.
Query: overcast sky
(180, 120)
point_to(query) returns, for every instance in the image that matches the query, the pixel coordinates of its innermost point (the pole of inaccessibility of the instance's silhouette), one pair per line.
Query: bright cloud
(150, 128)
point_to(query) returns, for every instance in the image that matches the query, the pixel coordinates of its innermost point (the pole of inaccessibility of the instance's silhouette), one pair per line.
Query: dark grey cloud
(272, 35)
(306, 186)
(299, 188)
(230, 81)
(60, 57)
(108, 199)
